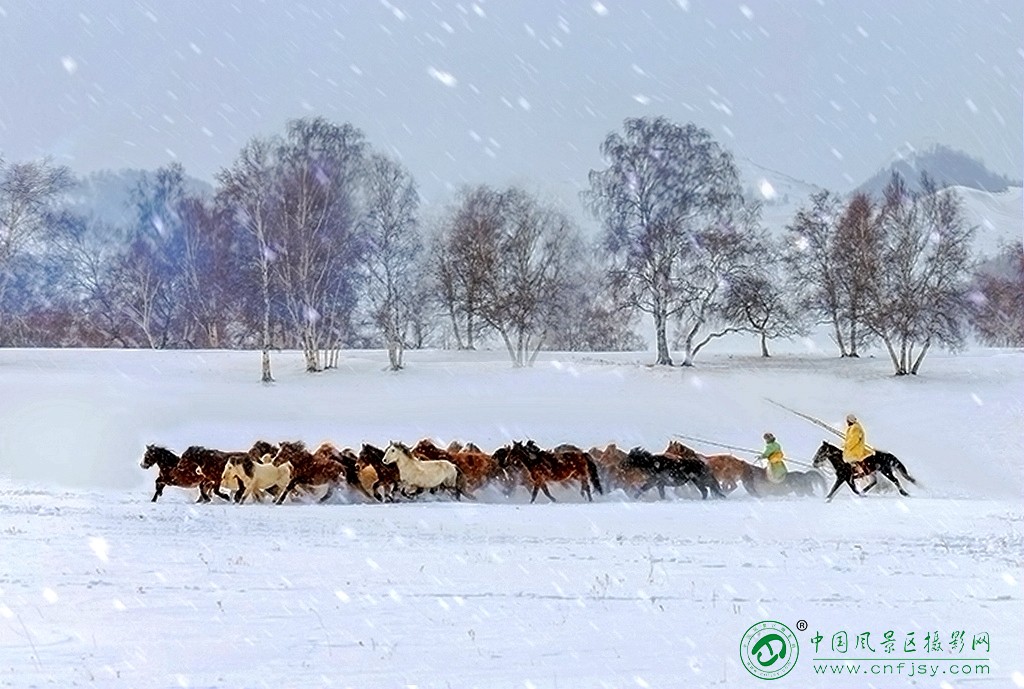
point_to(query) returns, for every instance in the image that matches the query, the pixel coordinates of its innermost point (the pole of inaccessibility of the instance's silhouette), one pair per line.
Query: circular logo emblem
(769, 650)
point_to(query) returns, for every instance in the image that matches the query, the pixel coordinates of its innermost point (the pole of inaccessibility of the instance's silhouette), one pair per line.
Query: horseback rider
(855, 448)
(773, 453)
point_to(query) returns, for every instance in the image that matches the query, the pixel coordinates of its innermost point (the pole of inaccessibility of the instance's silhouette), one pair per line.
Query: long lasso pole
(705, 441)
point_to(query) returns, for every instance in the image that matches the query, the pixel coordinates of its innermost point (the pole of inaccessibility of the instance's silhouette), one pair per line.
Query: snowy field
(100, 587)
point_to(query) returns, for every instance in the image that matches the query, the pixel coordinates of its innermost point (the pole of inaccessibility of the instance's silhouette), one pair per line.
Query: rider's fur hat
(850, 418)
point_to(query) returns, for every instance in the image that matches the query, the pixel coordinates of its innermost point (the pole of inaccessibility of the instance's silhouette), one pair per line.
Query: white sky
(512, 91)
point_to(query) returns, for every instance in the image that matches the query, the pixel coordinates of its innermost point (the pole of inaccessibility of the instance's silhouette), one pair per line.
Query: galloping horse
(730, 470)
(668, 470)
(378, 478)
(539, 467)
(425, 474)
(172, 471)
(881, 461)
(323, 467)
(257, 477)
(618, 474)
(477, 468)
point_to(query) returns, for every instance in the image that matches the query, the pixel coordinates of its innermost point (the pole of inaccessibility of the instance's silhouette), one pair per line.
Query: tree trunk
(660, 324)
(838, 336)
(853, 336)
(764, 345)
(265, 275)
(920, 357)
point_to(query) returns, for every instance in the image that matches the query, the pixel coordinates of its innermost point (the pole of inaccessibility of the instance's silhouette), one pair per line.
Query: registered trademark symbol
(801, 625)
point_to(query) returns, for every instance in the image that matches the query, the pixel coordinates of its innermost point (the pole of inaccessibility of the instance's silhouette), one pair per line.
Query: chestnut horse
(618, 474)
(539, 467)
(476, 468)
(729, 471)
(322, 467)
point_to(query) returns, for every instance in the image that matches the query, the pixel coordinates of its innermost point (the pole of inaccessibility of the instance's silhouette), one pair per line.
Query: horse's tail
(592, 470)
(903, 470)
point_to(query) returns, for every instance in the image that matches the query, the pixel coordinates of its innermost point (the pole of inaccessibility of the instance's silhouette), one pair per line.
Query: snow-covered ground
(100, 587)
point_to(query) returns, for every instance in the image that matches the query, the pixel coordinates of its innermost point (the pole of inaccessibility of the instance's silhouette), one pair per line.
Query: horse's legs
(661, 489)
(544, 487)
(285, 492)
(874, 482)
(835, 487)
(892, 477)
(703, 490)
(159, 491)
(853, 485)
(533, 494)
(585, 489)
(327, 495)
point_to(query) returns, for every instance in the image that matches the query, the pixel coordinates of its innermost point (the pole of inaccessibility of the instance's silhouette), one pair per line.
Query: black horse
(665, 470)
(881, 461)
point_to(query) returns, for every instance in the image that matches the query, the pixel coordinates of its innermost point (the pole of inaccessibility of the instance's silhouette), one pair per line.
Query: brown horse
(539, 467)
(476, 468)
(728, 470)
(173, 472)
(309, 470)
(617, 472)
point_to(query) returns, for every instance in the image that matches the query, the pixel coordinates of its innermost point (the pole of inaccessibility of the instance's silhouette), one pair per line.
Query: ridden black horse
(665, 470)
(880, 461)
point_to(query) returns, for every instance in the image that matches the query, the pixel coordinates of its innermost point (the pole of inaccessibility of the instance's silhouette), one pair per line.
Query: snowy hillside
(99, 586)
(998, 217)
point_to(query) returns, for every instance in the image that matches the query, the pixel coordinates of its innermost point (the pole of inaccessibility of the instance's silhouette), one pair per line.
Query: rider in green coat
(773, 453)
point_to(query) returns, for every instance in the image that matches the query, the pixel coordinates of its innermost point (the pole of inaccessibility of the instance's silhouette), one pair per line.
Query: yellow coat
(854, 447)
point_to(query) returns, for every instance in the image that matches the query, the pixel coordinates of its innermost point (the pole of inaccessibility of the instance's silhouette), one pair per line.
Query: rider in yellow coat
(854, 446)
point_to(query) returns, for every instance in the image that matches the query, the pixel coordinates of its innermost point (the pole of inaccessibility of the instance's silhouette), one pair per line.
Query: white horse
(265, 474)
(424, 474)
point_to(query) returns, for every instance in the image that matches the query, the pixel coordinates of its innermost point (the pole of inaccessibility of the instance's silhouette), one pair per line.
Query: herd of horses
(400, 472)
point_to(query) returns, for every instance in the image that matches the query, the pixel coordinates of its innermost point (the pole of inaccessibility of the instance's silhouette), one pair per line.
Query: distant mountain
(947, 166)
(780, 194)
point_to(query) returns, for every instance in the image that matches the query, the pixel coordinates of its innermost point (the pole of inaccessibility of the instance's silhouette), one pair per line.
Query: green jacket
(772, 451)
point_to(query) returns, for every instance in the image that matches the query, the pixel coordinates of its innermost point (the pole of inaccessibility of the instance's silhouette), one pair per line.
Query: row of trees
(311, 239)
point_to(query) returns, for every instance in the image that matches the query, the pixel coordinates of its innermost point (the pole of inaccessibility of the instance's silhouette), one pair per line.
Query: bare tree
(663, 183)
(525, 293)
(918, 299)
(716, 257)
(997, 299)
(393, 246)
(318, 167)
(855, 259)
(248, 192)
(462, 255)
(760, 303)
(26, 191)
(815, 273)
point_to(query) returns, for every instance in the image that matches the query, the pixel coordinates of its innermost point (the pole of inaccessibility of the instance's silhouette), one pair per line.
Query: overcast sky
(503, 91)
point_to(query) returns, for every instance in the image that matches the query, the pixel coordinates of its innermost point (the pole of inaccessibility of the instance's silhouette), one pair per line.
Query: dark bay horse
(880, 461)
(173, 472)
(671, 470)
